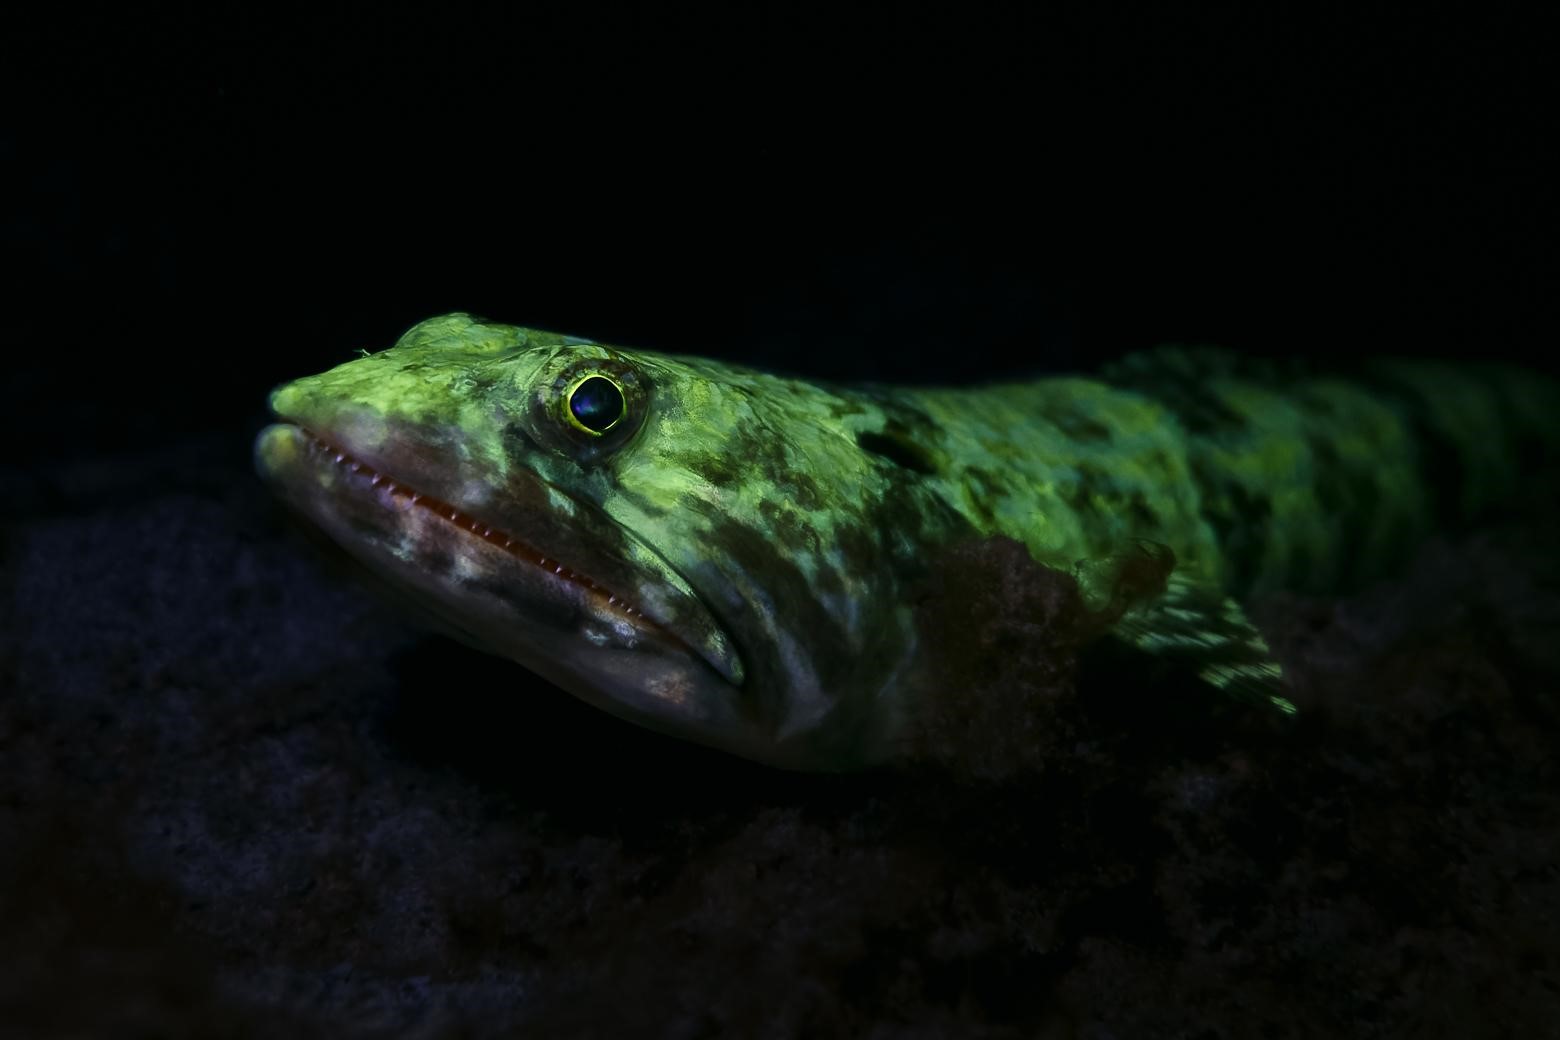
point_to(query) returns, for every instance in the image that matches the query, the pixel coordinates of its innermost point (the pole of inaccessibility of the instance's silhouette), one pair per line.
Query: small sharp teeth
(402, 498)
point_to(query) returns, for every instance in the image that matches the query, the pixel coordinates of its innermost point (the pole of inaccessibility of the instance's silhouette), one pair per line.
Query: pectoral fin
(1174, 621)
(1195, 625)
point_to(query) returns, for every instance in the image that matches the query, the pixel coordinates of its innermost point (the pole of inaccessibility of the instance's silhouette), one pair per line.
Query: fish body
(732, 557)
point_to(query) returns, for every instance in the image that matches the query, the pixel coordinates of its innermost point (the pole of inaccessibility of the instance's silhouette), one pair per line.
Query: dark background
(244, 798)
(205, 204)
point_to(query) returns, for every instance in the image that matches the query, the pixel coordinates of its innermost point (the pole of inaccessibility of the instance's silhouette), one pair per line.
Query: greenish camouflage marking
(736, 560)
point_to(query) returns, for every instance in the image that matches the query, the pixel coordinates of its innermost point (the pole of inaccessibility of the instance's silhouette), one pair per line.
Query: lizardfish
(731, 557)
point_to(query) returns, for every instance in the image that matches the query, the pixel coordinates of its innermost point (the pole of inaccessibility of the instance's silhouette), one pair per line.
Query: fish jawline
(322, 452)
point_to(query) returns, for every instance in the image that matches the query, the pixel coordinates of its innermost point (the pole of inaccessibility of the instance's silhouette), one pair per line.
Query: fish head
(650, 533)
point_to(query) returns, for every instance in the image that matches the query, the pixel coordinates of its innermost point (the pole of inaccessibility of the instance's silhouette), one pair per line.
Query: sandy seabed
(239, 796)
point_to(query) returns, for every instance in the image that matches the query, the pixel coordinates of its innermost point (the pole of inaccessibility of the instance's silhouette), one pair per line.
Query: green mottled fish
(732, 557)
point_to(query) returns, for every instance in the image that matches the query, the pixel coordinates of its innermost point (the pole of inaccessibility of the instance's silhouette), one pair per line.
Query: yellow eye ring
(595, 403)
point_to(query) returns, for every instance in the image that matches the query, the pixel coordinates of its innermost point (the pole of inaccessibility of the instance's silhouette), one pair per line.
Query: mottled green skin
(798, 520)
(1257, 478)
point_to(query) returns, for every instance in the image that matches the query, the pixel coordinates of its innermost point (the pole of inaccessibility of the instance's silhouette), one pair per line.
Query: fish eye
(596, 404)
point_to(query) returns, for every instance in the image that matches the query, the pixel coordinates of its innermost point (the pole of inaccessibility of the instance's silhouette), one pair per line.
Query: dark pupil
(597, 403)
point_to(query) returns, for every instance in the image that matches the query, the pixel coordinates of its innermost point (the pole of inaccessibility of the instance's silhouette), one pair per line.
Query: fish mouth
(677, 619)
(518, 548)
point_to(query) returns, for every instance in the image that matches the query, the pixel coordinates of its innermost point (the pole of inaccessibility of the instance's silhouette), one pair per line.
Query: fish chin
(658, 659)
